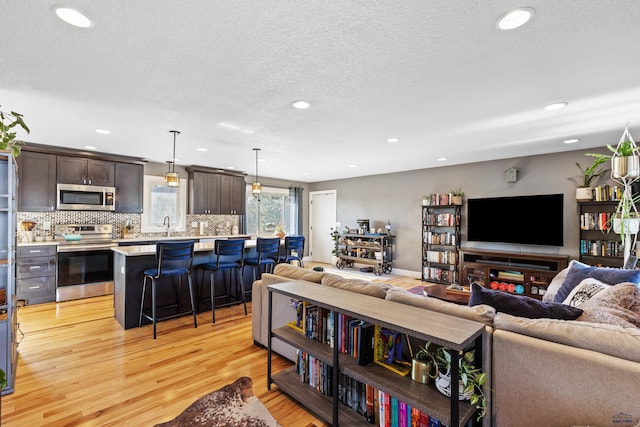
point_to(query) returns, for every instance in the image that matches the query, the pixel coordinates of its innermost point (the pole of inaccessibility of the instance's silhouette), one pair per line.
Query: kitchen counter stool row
(215, 272)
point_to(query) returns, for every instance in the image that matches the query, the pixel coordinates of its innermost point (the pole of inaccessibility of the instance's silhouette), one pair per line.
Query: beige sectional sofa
(543, 372)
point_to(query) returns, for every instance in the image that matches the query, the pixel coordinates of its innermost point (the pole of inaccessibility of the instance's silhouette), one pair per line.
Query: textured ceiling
(438, 75)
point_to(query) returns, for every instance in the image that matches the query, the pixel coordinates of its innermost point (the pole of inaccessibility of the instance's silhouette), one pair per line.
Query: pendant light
(172, 178)
(256, 187)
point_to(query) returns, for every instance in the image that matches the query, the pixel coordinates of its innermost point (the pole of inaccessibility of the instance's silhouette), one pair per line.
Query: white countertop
(151, 249)
(148, 239)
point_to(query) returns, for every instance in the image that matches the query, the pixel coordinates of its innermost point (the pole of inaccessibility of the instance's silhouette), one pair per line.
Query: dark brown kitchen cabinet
(80, 170)
(232, 195)
(204, 193)
(37, 182)
(129, 187)
(36, 273)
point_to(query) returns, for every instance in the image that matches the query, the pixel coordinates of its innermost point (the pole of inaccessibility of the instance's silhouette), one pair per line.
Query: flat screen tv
(531, 220)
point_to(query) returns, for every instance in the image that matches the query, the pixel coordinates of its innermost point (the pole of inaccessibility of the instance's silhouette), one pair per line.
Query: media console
(513, 272)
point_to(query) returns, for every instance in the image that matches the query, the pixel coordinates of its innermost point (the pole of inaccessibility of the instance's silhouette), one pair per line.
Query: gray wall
(398, 197)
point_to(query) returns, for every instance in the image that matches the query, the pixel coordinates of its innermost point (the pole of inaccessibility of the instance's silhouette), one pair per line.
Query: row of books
(440, 274)
(441, 199)
(376, 407)
(355, 338)
(595, 221)
(441, 219)
(606, 193)
(443, 257)
(434, 238)
(611, 248)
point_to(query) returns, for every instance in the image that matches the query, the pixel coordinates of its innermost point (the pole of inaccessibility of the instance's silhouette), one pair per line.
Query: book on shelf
(387, 351)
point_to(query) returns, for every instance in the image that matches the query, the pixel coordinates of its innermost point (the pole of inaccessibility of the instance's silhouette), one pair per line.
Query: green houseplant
(8, 141)
(472, 379)
(456, 196)
(589, 175)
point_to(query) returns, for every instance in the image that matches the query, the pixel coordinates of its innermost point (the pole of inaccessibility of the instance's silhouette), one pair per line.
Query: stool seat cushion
(167, 271)
(221, 265)
(254, 261)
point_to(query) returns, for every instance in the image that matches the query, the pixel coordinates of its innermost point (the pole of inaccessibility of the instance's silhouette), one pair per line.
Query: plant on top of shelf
(472, 379)
(589, 175)
(456, 196)
(8, 140)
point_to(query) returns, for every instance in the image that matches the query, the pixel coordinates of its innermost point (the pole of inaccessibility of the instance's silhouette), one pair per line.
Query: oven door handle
(84, 248)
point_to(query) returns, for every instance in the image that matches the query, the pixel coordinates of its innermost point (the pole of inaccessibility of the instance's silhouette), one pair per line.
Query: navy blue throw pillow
(520, 305)
(579, 271)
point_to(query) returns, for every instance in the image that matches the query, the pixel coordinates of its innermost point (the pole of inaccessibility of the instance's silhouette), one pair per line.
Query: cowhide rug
(234, 405)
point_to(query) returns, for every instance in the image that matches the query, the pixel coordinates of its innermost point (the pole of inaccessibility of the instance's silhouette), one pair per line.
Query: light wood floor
(77, 366)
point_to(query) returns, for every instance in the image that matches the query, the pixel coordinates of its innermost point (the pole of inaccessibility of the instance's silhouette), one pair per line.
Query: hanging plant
(8, 141)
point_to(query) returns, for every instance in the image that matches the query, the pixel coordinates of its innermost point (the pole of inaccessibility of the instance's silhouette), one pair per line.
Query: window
(274, 207)
(161, 201)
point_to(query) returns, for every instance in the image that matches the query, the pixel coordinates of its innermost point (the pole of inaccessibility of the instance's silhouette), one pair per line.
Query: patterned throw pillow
(584, 291)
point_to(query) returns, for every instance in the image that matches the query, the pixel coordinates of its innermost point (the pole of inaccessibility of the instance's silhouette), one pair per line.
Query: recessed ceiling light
(90, 147)
(103, 131)
(201, 149)
(304, 174)
(73, 17)
(231, 167)
(556, 106)
(442, 159)
(572, 141)
(229, 126)
(514, 19)
(392, 140)
(353, 166)
(300, 105)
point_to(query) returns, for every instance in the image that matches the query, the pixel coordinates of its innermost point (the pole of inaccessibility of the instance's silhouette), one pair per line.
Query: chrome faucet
(166, 221)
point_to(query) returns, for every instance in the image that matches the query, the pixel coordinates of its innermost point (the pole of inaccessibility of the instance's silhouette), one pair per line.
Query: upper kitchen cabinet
(213, 191)
(204, 193)
(232, 190)
(79, 170)
(129, 181)
(36, 182)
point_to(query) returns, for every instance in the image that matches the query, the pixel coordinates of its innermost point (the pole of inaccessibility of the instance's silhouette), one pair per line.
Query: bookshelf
(516, 273)
(441, 329)
(598, 246)
(440, 240)
(8, 309)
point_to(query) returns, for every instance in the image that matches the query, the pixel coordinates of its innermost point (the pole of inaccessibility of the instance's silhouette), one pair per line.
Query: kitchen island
(129, 263)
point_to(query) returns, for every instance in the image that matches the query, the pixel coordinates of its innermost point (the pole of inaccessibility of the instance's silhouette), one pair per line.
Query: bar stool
(268, 251)
(293, 250)
(174, 259)
(229, 255)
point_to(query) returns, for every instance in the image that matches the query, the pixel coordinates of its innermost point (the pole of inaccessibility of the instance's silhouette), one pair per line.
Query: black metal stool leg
(153, 306)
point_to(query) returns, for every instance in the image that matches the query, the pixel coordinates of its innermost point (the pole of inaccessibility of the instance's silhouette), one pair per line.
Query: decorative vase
(584, 194)
(443, 384)
(421, 371)
(625, 167)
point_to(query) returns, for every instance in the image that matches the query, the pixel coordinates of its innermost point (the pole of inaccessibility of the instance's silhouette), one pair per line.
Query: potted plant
(472, 379)
(589, 175)
(456, 196)
(423, 365)
(625, 160)
(8, 141)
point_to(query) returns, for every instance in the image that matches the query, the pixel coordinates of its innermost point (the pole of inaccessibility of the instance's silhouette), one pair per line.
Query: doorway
(322, 218)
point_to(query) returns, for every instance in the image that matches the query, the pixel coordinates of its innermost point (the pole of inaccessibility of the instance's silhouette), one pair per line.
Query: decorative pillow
(555, 284)
(584, 291)
(616, 305)
(579, 271)
(522, 306)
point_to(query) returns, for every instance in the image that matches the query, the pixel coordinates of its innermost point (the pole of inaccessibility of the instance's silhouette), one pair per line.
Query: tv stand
(513, 272)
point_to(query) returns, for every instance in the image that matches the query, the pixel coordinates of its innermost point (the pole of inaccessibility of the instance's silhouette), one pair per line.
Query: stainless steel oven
(85, 266)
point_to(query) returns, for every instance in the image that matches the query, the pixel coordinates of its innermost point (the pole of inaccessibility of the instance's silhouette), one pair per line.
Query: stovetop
(88, 233)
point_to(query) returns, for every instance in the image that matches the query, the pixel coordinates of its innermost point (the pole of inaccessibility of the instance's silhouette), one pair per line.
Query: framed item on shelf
(388, 345)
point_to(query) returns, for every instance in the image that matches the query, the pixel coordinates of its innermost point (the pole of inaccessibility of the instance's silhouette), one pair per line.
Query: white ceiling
(436, 74)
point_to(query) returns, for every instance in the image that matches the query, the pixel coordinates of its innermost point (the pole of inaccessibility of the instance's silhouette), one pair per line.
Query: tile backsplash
(217, 224)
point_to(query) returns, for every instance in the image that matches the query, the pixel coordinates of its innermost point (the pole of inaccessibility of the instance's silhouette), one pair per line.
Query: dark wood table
(440, 291)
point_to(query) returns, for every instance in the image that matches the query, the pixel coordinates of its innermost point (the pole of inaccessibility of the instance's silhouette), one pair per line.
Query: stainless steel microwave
(85, 197)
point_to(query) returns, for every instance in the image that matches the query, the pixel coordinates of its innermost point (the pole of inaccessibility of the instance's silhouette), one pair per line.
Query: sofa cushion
(298, 273)
(586, 290)
(616, 305)
(479, 313)
(607, 339)
(519, 305)
(579, 271)
(374, 289)
(555, 284)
